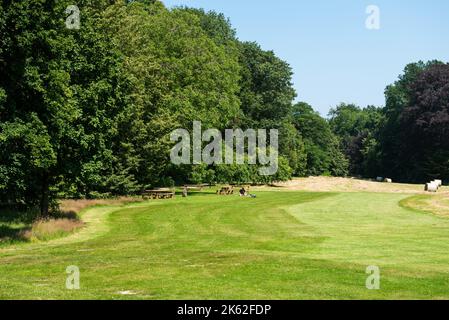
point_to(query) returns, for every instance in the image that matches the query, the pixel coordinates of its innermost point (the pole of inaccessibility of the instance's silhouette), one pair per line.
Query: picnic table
(160, 193)
(226, 191)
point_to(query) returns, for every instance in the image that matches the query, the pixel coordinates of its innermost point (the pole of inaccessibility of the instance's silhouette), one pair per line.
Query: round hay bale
(435, 182)
(431, 187)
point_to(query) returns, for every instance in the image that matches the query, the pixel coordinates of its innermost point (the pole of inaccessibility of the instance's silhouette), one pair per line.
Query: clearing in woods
(282, 245)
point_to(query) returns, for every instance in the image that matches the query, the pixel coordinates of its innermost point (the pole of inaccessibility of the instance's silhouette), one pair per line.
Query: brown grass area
(74, 207)
(331, 184)
(63, 222)
(437, 204)
(51, 228)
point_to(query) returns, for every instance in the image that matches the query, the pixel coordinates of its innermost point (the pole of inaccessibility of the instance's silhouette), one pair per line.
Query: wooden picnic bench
(226, 191)
(158, 194)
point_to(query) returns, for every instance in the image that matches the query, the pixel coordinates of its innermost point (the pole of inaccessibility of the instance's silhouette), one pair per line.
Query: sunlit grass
(290, 245)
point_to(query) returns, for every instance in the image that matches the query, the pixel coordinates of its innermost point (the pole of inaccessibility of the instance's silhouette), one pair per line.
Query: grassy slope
(288, 245)
(437, 204)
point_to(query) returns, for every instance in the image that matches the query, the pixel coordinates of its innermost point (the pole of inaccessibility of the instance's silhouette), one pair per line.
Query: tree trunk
(45, 195)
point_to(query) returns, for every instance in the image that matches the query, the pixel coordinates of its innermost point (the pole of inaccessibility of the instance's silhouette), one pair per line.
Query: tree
(63, 88)
(424, 126)
(321, 145)
(266, 90)
(179, 74)
(216, 25)
(28, 153)
(292, 148)
(37, 97)
(411, 139)
(357, 128)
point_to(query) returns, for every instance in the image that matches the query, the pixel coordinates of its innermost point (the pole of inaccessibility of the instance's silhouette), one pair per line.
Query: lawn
(282, 245)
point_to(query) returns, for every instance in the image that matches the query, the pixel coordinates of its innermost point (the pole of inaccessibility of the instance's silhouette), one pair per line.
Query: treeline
(88, 112)
(408, 139)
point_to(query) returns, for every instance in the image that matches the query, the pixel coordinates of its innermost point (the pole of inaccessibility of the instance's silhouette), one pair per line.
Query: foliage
(357, 129)
(88, 113)
(321, 145)
(413, 139)
(424, 127)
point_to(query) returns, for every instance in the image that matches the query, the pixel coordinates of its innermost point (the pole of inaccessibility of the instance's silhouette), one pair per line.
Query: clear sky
(334, 57)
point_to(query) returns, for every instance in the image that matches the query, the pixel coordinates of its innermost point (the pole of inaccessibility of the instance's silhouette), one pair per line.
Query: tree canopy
(87, 112)
(407, 139)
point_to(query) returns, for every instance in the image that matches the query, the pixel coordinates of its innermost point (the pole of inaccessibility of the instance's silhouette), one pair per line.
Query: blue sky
(334, 57)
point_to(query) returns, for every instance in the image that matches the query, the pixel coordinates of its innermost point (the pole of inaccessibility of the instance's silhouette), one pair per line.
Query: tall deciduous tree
(424, 126)
(63, 89)
(411, 138)
(321, 145)
(358, 131)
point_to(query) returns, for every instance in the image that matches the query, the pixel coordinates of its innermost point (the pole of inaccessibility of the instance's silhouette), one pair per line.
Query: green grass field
(282, 245)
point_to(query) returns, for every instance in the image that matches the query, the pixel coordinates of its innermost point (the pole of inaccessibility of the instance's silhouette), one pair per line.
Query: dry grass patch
(71, 207)
(332, 184)
(437, 204)
(51, 228)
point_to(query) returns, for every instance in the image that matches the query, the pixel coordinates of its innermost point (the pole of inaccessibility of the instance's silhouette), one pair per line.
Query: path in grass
(281, 245)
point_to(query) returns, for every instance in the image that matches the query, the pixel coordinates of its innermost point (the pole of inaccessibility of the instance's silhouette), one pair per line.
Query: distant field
(282, 245)
(332, 184)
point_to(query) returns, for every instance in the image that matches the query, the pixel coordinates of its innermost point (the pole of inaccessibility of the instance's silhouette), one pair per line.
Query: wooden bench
(158, 194)
(226, 191)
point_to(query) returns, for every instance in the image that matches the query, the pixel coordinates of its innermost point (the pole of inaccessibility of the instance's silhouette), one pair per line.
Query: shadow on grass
(10, 216)
(195, 194)
(9, 234)
(18, 226)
